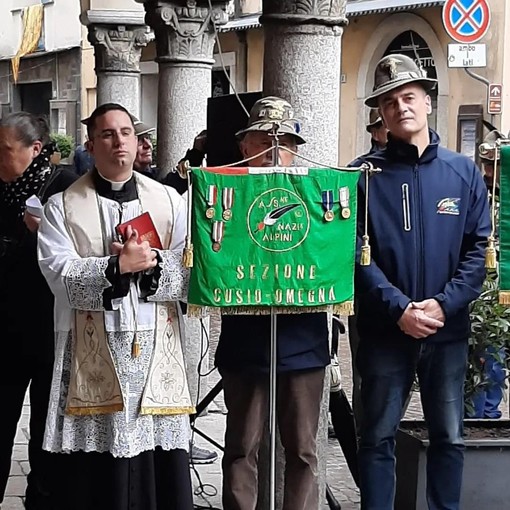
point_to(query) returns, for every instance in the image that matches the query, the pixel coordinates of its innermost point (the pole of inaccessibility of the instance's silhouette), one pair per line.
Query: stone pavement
(207, 478)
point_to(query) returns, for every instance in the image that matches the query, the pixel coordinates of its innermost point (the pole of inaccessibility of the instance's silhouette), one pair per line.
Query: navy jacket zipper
(420, 285)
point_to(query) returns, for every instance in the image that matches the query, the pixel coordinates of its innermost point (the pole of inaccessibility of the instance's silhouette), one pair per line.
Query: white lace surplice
(78, 283)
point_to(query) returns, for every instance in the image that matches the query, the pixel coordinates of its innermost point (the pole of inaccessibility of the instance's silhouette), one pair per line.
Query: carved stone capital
(185, 32)
(118, 47)
(301, 12)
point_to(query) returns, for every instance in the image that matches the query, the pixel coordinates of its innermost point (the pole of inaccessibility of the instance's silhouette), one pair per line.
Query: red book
(144, 225)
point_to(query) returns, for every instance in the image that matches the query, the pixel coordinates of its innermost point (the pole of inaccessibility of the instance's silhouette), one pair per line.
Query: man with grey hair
(428, 226)
(377, 130)
(303, 354)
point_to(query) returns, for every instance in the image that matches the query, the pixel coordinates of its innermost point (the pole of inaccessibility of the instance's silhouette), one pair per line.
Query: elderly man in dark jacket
(243, 358)
(428, 225)
(377, 130)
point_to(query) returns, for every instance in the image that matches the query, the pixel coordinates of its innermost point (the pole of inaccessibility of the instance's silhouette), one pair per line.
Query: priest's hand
(416, 323)
(116, 248)
(136, 256)
(31, 221)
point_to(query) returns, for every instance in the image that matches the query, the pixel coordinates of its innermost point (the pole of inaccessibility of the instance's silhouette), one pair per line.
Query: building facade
(49, 78)
(380, 27)
(375, 28)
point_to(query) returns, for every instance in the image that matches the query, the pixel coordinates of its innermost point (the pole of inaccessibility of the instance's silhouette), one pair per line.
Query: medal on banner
(228, 201)
(327, 204)
(345, 211)
(212, 195)
(218, 229)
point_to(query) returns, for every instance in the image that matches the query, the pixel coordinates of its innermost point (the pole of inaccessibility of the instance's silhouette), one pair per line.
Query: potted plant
(488, 347)
(65, 146)
(487, 453)
(486, 460)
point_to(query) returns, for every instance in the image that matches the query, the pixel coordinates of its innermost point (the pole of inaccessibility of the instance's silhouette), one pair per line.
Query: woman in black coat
(26, 302)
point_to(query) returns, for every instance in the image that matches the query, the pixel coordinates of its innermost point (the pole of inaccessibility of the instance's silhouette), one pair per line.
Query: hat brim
(268, 127)
(143, 129)
(427, 83)
(374, 124)
(489, 156)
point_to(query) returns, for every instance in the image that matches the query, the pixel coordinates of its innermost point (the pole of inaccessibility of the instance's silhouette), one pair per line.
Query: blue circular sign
(466, 21)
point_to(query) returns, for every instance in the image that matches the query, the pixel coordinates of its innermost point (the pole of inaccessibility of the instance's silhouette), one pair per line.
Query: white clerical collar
(116, 185)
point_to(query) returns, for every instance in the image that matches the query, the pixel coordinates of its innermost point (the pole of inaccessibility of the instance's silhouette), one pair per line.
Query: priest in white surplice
(119, 407)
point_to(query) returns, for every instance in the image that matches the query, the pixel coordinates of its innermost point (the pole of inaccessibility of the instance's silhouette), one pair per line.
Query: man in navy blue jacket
(428, 225)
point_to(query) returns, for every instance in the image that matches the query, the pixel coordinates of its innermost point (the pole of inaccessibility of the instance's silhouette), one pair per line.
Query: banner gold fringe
(88, 411)
(167, 411)
(345, 308)
(504, 297)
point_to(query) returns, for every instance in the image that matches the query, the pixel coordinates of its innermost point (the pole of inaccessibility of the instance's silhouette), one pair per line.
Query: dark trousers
(387, 373)
(356, 379)
(153, 480)
(14, 381)
(298, 407)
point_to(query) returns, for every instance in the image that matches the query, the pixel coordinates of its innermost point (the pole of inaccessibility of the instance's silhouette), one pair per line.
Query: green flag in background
(273, 237)
(504, 227)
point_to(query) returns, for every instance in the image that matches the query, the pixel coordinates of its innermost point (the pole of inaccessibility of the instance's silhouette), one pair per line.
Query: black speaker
(225, 117)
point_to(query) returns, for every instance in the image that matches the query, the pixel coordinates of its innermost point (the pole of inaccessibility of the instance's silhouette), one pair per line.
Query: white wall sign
(467, 55)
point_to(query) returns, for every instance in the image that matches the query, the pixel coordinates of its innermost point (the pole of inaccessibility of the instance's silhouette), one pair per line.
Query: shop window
(223, 74)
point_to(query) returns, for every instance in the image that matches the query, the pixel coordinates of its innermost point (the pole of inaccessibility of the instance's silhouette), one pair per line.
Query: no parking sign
(466, 21)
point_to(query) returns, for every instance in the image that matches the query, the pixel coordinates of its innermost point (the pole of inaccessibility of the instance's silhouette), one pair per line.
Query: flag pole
(273, 367)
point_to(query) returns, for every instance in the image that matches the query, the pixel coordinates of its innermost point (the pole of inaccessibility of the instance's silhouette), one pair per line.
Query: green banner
(273, 237)
(504, 226)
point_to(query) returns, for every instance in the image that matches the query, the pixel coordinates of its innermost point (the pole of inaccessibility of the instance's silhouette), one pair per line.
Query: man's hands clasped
(422, 319)
(134, 255)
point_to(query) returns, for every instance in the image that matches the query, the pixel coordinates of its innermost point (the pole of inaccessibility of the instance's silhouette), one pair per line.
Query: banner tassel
(366, 256)
(490, 254)
(187, 255)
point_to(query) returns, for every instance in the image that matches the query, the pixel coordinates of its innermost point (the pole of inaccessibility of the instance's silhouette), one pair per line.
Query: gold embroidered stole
(94, 386)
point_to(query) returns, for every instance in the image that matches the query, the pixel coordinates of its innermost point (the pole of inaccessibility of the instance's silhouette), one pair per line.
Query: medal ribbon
(327, 200)
(212, 194)
(217, 231)
(344, 197)
(228, 198)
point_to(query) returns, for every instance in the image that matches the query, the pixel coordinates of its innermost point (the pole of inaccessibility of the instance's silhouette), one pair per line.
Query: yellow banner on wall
(32, 29)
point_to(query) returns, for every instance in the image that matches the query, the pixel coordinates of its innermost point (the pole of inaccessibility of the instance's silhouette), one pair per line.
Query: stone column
(185, 37)
(302, 64)
(118, 38)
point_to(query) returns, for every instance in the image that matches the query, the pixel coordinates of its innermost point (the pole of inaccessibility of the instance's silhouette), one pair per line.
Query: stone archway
(375, 48)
